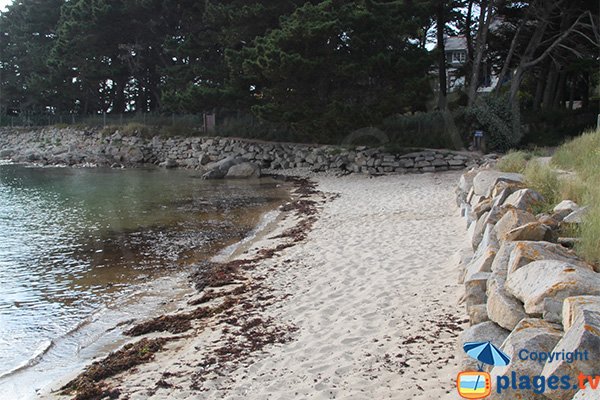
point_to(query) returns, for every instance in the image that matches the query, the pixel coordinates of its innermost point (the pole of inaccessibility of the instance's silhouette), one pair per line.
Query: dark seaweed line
(248, 333)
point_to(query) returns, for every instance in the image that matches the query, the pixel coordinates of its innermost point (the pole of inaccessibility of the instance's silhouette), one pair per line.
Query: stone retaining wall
(53, 146)
(525, 290)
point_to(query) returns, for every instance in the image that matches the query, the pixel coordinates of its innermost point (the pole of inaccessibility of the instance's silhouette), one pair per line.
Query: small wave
(6, 162)
(45, 346)
(31, 361)
(265, 220)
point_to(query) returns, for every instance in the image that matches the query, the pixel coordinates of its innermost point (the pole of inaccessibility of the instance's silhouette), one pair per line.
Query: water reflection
(74, 240)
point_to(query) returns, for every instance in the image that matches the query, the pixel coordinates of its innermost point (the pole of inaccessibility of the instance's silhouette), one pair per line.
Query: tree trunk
(539, 90)
(485, 18)
(549, 92)
(511, 52)
(560, 91)
(585, 99)
(515, 105)
(469, 36)
(119, 102)
(441, 23)
(572, 87)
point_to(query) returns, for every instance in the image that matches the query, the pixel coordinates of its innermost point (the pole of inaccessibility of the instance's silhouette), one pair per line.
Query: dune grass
(514, 161)
(543, 179)
(538, 176)
(582, 156)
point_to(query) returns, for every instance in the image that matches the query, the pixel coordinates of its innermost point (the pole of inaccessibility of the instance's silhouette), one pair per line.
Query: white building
(456, 58)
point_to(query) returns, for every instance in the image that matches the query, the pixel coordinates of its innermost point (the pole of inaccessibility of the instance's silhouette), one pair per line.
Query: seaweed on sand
(211, 274)
(87, 385)
(178, 323)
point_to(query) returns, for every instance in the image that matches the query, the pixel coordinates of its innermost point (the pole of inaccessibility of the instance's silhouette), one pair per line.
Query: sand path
(374, 296)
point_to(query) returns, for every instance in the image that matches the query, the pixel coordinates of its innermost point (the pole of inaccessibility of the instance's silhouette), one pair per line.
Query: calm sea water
(82, 250)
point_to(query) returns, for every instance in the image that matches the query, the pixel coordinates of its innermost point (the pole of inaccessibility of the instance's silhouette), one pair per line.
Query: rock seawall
(525, 290)
(53, 146)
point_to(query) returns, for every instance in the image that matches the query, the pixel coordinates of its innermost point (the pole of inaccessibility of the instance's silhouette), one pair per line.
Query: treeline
(317, 68)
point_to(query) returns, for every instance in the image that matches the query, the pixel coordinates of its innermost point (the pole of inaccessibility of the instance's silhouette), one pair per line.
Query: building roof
(453, 43)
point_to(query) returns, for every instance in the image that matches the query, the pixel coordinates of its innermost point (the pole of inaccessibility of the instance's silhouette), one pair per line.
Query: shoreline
(298, 318)
(176, 304)
(100, 332)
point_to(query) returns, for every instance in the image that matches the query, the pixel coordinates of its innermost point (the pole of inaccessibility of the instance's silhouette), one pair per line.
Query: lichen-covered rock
(574, 306)
(475, 288)
(534, 231)
(550, 279)
(506, 188)
(576, 217)
(566, 205)
(500, 264)
(525, 252)
(488, 218)
(477, 314)
(524, 199)
(533, 335)
(483, 263)
(480, 208)
(584, 337)
(466, 181)
(484, 181)
(512, 218)
(502, 308)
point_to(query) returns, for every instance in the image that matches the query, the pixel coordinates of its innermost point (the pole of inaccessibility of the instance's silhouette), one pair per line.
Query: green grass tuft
(582, 156)
(544, 180)
(514, 161)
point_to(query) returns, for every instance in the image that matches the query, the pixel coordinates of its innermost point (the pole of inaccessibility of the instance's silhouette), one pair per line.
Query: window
(459, 57)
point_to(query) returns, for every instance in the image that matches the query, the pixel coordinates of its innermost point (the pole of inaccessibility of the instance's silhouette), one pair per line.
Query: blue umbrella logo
(486, 353)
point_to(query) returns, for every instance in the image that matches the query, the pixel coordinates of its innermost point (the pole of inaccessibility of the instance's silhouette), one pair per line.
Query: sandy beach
(350, 294)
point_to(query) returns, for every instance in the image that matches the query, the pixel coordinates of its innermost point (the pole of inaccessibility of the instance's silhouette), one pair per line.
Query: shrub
(421, 130)
(494, 115)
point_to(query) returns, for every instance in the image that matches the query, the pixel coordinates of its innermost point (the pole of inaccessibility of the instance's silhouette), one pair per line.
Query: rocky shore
(524, 288)
(97, 147)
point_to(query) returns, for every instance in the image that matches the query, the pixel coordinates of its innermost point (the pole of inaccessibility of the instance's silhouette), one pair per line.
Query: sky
(3, 4)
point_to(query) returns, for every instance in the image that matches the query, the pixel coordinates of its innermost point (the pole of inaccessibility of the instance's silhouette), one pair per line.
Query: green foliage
(514, 161)
(27, 30)
(420, 130)
(312, 71)
(551, 128)
(542, 178)
(582, 156)
(335, 66)
(589, 246)
(494, 115)
(573, 188)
